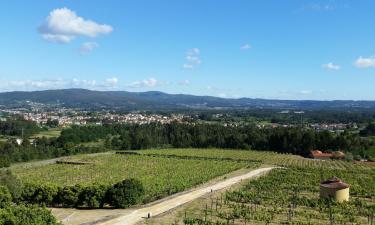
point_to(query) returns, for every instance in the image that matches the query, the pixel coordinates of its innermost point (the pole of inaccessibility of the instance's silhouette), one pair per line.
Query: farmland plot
(161, 176)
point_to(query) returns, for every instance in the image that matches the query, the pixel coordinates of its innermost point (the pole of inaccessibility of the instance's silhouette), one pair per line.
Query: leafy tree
(126, 193)
(369, 130)
(69, 196)
(93, 196)
(52, 123)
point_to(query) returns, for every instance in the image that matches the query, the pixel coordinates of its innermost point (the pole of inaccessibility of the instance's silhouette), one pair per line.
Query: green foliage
(18, 127)
(202, 135)
(93, 196)
(126, 193)
(4, 162)
(13, 184)
(160, 176)
(42, 149)
(5, 197)
(52, 123)
(26, 215)
(266, 157)
(369, 130)
(291, 196)
(68, 196)
(42, 194)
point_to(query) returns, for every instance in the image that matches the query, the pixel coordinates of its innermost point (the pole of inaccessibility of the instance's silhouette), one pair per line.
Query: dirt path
(138, 215)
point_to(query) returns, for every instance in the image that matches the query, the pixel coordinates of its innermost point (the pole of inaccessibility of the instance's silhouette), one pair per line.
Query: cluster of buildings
(332, 126)
(317, 154)
(139, 118)
(65, 117)
(62, 120)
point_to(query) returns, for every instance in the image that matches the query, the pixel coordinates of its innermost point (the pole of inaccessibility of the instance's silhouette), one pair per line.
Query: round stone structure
(334, 188)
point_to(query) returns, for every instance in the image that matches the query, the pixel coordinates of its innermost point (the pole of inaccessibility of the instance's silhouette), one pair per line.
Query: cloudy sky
(290, 49)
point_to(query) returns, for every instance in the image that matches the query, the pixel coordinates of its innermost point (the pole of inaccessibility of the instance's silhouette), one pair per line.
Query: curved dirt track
(137, 215)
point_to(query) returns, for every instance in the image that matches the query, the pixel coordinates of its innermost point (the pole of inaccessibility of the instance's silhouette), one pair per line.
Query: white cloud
(83, 83)
(88, 47)
(331, 66)
(193, 51)
(245, 47)
(63, 25)
(326, 6)
(321, 7)
(222, 95)
(187, 66)
(192, 58)
(47, 84)
(57, 38)
(150, 82)
(362, 62)
(305, 92)
(111, 82)
(184, 82)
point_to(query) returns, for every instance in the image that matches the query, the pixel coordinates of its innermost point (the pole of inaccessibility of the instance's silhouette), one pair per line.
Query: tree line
(294, 140)
(18, 127)
(42, 148)
(182, 135)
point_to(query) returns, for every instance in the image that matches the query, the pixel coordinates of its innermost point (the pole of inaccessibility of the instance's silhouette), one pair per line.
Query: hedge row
(121, 195)
(26, 215)
(11, 214)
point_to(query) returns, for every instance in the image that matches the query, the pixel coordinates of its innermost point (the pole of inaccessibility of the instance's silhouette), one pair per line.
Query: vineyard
(270, 158)
(160, 176)
(291, 196)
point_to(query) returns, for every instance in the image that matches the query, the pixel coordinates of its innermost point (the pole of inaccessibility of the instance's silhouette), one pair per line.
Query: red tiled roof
(320, 154)
(334, 183)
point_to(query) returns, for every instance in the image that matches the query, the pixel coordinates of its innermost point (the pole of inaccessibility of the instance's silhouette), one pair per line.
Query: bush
(4, 162)
(126, 193)
(93, 196)
(44, 194)
(69, 196)
(121, 195)
(26, 215)
(13, 184)
(5, 197)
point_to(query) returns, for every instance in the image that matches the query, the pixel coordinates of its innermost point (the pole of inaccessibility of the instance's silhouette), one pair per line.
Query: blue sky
(290, 49)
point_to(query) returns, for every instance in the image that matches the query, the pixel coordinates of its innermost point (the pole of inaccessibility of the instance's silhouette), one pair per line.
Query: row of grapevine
(291, 196)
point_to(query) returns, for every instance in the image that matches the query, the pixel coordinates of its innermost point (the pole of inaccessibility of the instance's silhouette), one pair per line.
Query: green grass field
(50, 133)
(161, 176)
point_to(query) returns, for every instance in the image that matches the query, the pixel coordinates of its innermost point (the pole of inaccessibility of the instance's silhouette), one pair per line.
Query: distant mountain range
(154, 100)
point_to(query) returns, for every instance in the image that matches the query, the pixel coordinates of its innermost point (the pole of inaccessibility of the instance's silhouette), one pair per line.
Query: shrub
(126, 193)
(44, 194)
(4, 162)
(26, 215)
(13, 184)
(93, 196)
(69, 196)
(5, 197)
